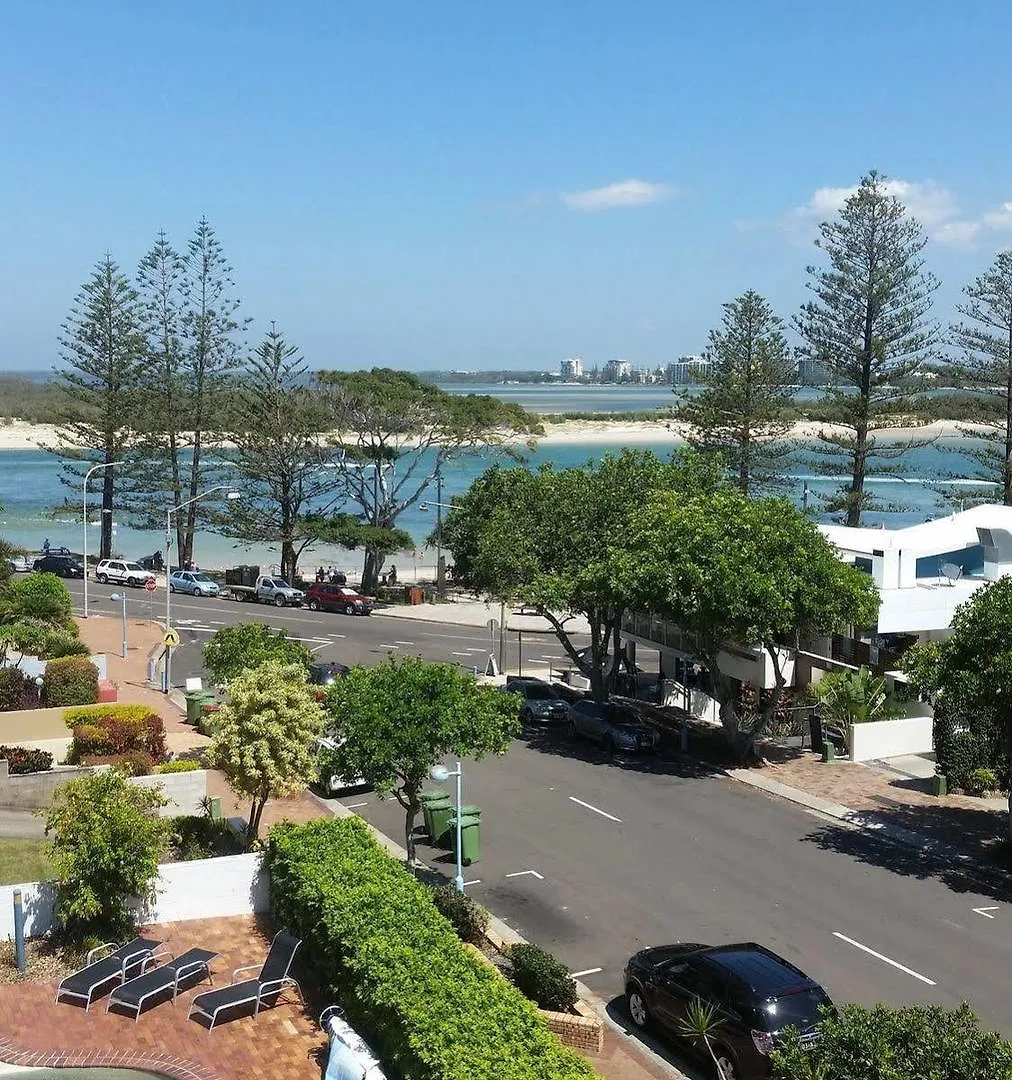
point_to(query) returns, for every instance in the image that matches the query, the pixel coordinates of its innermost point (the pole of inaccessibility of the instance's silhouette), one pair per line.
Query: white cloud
(621, 193)
(930, 203)
(956, 233)
(1000, 218)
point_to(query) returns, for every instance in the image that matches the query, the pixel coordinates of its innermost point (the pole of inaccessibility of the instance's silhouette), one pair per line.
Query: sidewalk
(476, 613)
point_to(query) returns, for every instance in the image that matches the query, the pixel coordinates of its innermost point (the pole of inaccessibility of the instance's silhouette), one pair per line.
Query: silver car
(614, 726)
(192, 582)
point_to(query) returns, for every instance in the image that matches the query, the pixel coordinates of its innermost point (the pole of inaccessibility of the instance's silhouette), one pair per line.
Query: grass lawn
(23, 860)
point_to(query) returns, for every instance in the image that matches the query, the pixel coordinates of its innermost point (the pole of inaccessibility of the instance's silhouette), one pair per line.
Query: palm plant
(853, 697)
(701, 1023)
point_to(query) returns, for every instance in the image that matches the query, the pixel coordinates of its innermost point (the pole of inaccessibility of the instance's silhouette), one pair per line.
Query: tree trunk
(410, 814)
(371, 568)
(105, 526)
(288, 561)
(255, 814)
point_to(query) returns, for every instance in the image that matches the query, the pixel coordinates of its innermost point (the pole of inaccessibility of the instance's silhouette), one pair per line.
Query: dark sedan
(68, 566)
(614, 726)
(754, 995)
(542, 702)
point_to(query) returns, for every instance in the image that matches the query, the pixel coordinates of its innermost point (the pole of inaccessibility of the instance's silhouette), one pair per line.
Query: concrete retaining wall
(890, 738)
(184, 790)
(29, 725)
(203, 889)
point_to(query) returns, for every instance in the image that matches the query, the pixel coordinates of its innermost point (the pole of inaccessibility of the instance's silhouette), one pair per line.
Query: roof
(938, 535)
(763, 971)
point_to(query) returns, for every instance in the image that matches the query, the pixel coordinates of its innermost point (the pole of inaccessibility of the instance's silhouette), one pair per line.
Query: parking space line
(468, 655)
(477, 881)
(404, 643)
(603, 813)
(884, 959)
(533, 873)
(355, 805)
(587, 971)
(387, 645)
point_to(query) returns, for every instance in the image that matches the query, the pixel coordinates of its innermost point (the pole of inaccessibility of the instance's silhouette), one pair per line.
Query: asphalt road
(344, 638)
(625, 855)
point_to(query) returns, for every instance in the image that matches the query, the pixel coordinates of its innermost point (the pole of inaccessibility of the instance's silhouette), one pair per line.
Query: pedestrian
(45, 546)
(319, 574)
(392, 575)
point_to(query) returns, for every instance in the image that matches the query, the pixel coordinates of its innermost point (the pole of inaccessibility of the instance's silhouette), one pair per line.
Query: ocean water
(30, 489)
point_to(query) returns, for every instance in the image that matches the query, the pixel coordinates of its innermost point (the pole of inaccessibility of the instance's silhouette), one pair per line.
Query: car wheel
(172, 587)
(314, 605)
(527, 717)
(279, 601)
(637, 1007)
(349, 609)
(133, 582)
(103, 578)
(609, 746)
(571, 730)
(726, 1067)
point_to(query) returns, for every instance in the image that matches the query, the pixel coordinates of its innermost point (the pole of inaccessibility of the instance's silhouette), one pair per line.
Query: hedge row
(111, 710)
(374, 938)
(22, 760)
(113, 735)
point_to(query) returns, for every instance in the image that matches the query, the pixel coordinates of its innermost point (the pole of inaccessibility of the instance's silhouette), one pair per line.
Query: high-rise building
(571, 369)
(616, 371)
(687, 369)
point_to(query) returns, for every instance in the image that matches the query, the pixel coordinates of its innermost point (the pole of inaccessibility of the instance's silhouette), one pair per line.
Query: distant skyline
(463, 186)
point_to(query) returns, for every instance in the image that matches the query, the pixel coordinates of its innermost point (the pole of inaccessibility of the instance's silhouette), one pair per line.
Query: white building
(571, 369)
(687, 369)
(616, 371)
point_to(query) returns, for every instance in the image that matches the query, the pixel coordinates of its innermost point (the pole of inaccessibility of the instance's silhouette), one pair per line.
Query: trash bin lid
(466, 819)
(470, 811)
(431, 796)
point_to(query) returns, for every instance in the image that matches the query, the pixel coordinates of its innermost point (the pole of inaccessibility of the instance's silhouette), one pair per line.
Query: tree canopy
(393, 722)
(233, 650)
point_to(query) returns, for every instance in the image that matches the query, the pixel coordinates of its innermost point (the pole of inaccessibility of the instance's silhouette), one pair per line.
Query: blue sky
(471, 185)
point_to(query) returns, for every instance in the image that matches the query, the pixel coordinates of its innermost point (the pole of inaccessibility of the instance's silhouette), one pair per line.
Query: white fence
(891, 738)
(202, 889)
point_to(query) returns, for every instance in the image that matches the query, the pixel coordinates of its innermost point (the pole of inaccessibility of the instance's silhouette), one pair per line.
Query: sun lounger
(131, 995)
(267, 986)
(349, 1057)
(117, 966)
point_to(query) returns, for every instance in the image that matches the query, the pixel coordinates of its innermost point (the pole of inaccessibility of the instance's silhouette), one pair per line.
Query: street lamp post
(84, 537)
(116, 597)
(232, 495)
(440, 773)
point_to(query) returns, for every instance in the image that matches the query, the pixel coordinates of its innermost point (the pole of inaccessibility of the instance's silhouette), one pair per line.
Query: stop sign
(150, 584)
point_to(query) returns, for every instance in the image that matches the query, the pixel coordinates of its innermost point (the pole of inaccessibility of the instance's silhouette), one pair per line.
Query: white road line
(477, 881)
(404, 643)
(587, 971)
(387, 645)
(332, 634)
(468, 655)
(985, 911)
(317, 648)
(533, 873)
(355, 805)
(580, 802)
(475, 650)
(884, 959)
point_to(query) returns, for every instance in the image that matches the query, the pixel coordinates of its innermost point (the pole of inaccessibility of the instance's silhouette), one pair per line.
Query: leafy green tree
(968, 677)
(396, 432)
(393, 722)
(869, 329)
(265, 739)
(985, 369)
(740, 412)
(350, 532)
(280, 460)
(911, 1043)
(553, 540)
(101, 349)
(746, 572)
(846, 697)
(106, 840)
(233, 650)
(39, 596)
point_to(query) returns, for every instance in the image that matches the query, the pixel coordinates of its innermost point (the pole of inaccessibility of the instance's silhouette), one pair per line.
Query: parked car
(152, 562)
(21, 564)
(614, 726)
(323, 674)
(322, 596)
(542, 702)
(330, 781)
(193, 582)
(68, 566)
(122, 573)
(277, 591)
(756, 994)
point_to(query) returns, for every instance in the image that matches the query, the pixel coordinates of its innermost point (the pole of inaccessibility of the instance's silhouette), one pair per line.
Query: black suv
(61, 565)
(755, 994)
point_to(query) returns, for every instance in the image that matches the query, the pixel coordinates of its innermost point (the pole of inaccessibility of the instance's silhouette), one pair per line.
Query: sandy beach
(20, 435)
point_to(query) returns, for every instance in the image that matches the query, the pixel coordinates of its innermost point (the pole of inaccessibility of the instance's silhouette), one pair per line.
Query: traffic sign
(493, 626)
(150, 584)
(171, 639)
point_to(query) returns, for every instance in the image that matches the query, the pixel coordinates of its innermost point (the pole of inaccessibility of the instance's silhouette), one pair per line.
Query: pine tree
(101, 349)
(280, 460)
(740, 412)
(869, 329)
(985, 370)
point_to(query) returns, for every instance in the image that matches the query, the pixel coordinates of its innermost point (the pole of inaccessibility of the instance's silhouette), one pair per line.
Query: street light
(440, 773)
(84, 541)
(116, 597)
(231, 496)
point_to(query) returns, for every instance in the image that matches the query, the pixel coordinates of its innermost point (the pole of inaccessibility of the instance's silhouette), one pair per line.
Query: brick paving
(966, 823)
(282, 1043)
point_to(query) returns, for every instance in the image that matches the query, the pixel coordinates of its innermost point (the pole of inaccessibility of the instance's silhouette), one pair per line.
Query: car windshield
(202, 577)
(540, 693)
(801, 1010)
(348, 592)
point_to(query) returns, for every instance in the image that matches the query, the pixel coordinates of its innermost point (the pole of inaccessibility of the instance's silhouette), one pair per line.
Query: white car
(331, 783)
(122, 573)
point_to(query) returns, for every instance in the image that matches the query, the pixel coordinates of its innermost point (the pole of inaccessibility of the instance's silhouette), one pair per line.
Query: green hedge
(72, 680)
(432, 1010)
(89, 714)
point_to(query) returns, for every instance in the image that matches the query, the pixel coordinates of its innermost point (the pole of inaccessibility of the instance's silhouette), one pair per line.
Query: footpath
(468, 612)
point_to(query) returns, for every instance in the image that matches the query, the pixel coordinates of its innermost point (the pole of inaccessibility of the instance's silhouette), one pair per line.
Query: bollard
(683, 739)
(19, 931)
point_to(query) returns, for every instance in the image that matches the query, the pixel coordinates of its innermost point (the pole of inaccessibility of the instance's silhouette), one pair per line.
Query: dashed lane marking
(603, 813)
(885, 959)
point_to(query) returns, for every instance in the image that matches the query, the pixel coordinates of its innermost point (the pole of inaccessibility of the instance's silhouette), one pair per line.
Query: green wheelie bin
(470, 837)
(439, 815)
(427, 798)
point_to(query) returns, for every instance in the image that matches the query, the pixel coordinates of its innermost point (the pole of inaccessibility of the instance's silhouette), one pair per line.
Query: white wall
(202, 889)
(890, 738)
(184, 790)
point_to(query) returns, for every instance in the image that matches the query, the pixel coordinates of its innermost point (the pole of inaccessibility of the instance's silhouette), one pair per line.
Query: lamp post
(84, 538)
(440, 507)
(440, 773)
(121, 597)
(232, 496)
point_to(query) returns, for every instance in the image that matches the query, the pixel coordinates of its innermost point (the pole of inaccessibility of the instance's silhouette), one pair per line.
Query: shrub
(62, 644)
(39, 596)
(179, 765)
(965, 742)
(980, 782)
(135, 763)
(540, 977)
(87, 714)
(433, 1010)
(17, 690)
(118, 735)
(72, 680)
(465, 915)
(106, 842)
(197, 836)
(23, 759)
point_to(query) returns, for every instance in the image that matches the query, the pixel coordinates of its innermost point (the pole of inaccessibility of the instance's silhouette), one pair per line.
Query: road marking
(474, 650)
(468, 655)
(587, 971)
(387, 645)
(404, 643)
(317, 648)
(331, 633)
(477, 881)
(355, 805)
(984, 911)
(884, 959)
(533, 873)
(580, 802)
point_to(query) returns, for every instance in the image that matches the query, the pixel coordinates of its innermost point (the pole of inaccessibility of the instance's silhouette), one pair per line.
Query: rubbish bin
(439, 816)
(470, 811)
(427, 798)
(416, 595)
(470, 837)
(815, 728)
(208, 718)
(194, 699)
